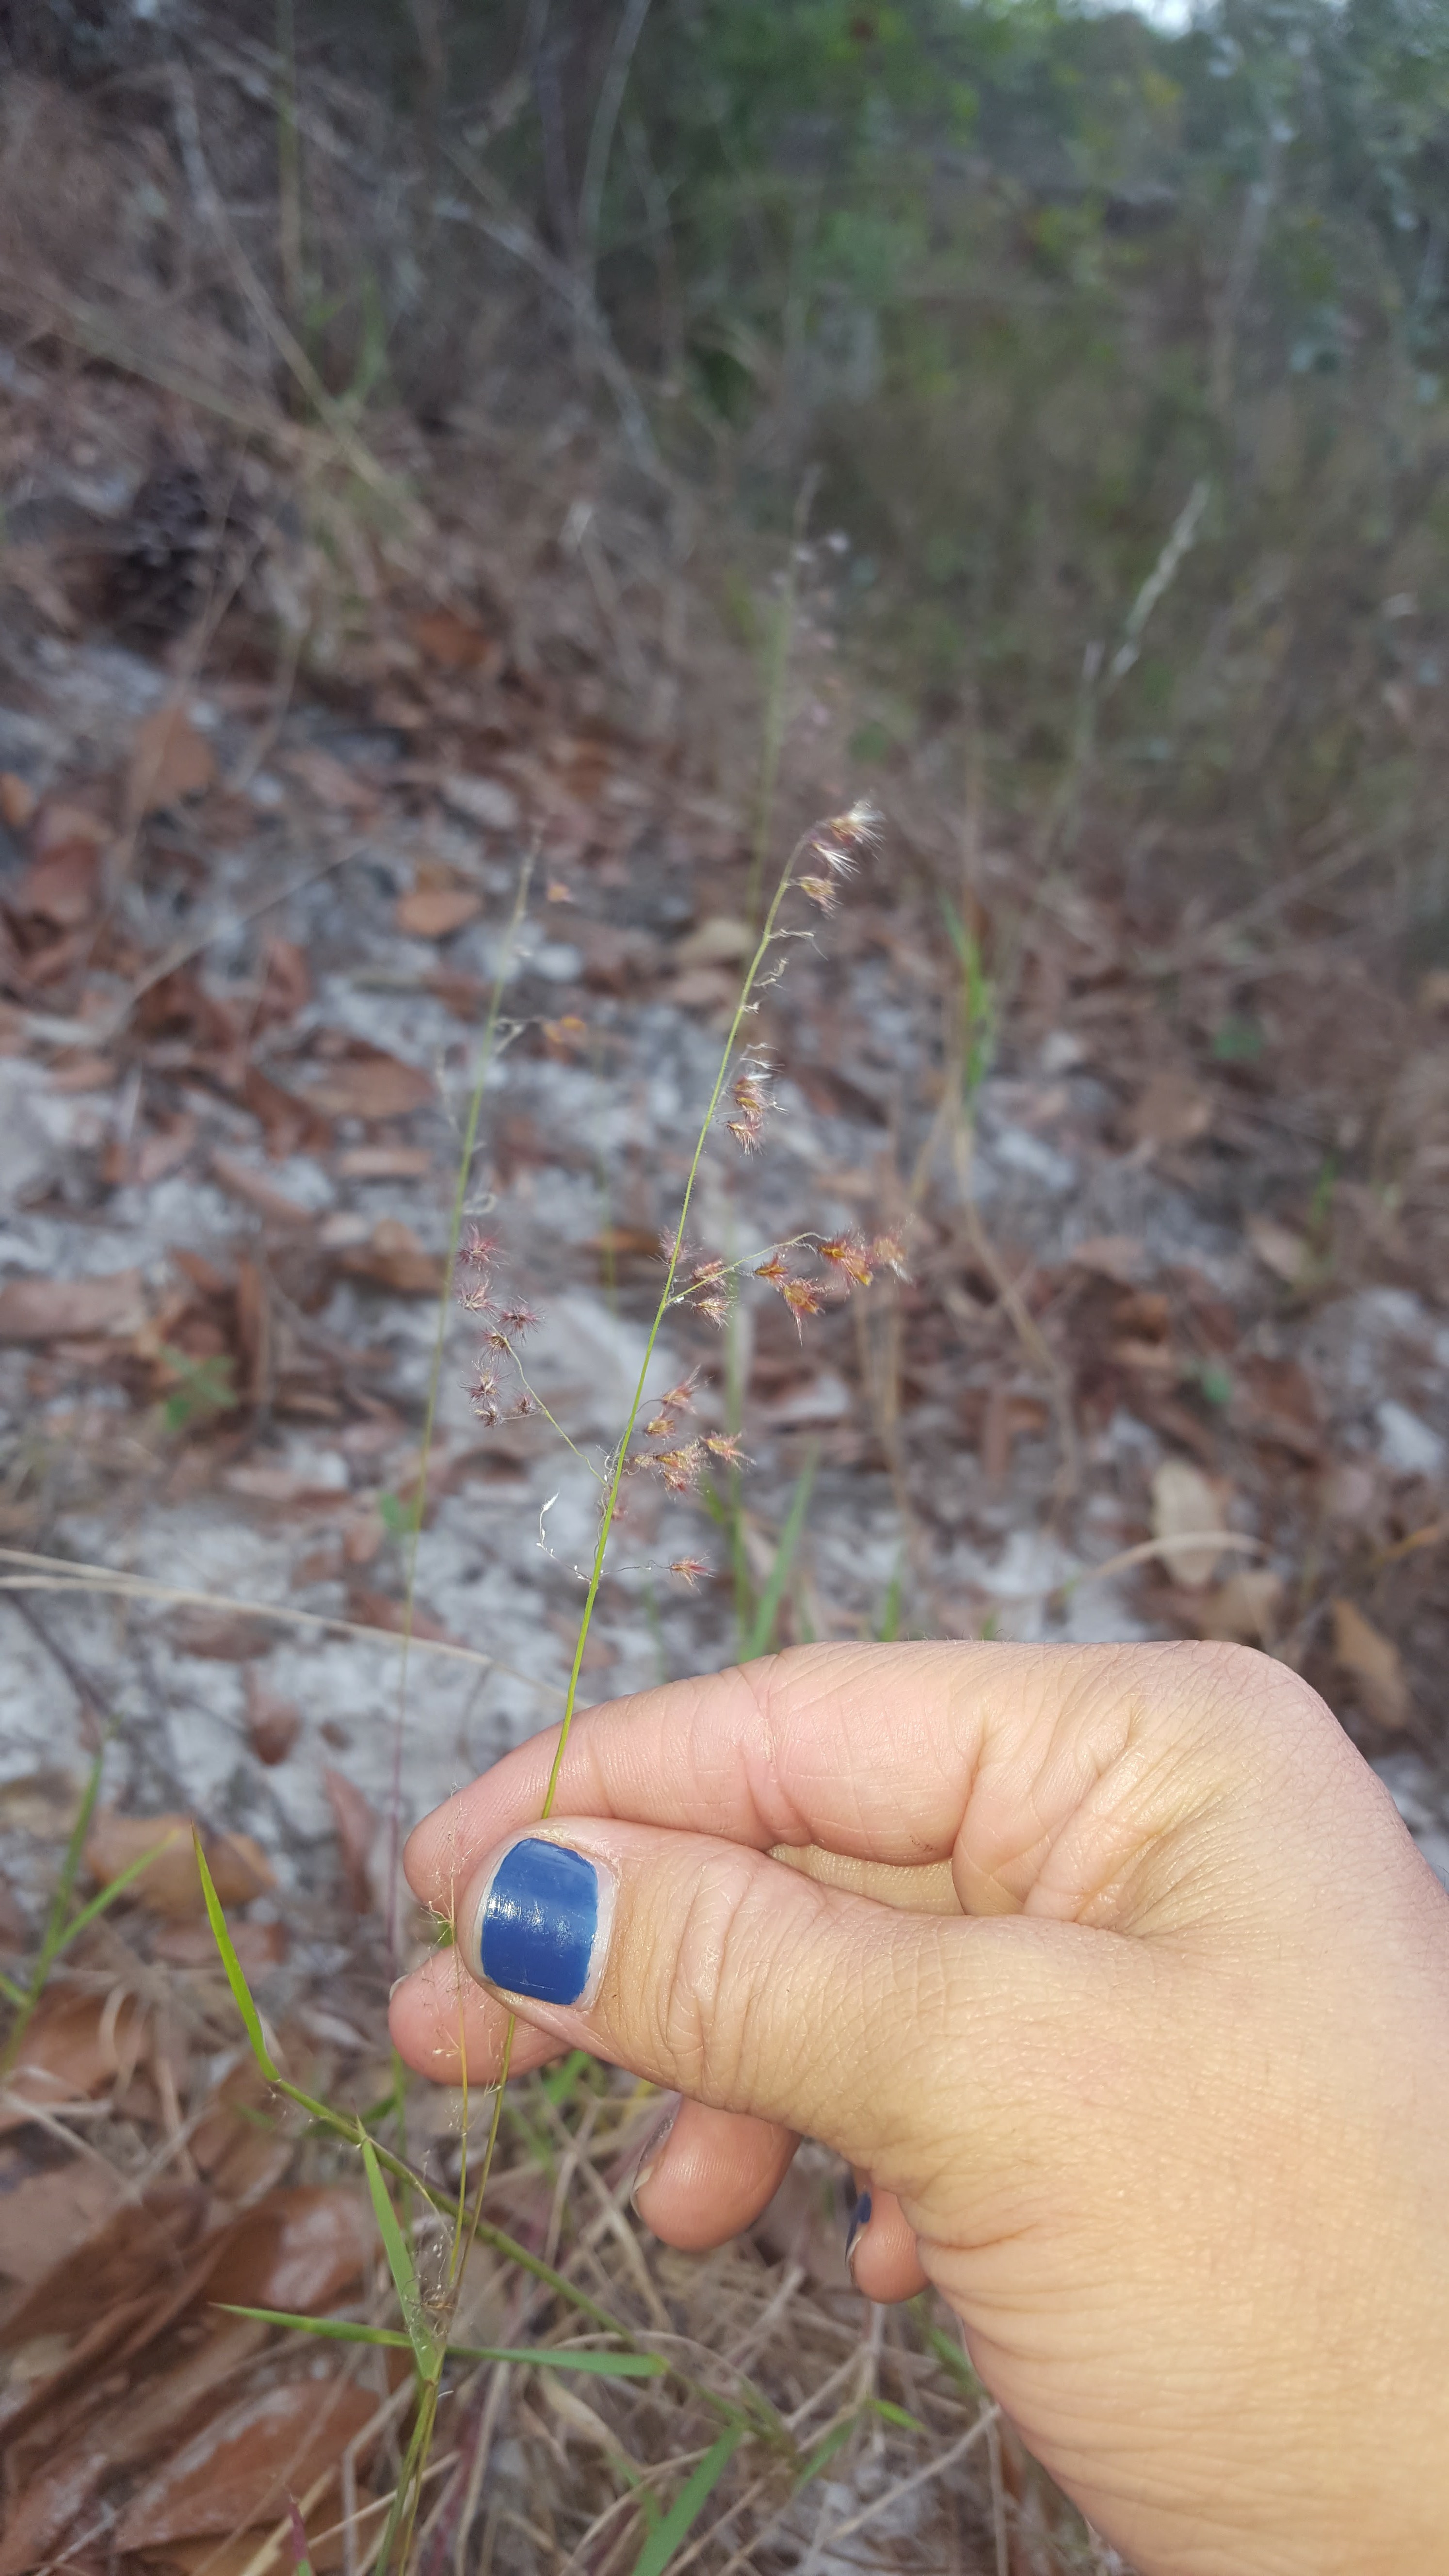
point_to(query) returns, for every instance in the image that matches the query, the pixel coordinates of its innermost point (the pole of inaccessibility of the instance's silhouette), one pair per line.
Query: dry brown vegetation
(295, 678)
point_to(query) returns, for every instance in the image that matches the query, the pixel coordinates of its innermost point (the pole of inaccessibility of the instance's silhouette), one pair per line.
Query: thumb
(717, 1972)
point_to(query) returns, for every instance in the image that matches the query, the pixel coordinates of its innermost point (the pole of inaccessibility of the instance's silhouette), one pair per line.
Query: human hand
(1116, 1977)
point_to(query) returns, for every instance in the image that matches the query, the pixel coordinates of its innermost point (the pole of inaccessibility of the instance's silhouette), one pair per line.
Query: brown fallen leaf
(1243, 1610)
(44, 2217)
(298, 2250)
(454, 643)
(331, 781)
(237, 2146)
(702, 988)
(164, 1148)
(1375, 1666)
(1109, 1256)
(127, 2431)
(1171, 1110)
(1278, 1248)
(392, 1257)
(286, 979)
(256, 1191)
(384, 1163)
(259, 1946)
(61, 888)
(241, 2470)
(171, 1885)
(371, 1086)
(1186, 1504)
(72, 1074)
(358, 1825)
(289, 1124)
(721, 941)
(170, 761)
(71, 2050)
(378, 1610)
(273, 1724)
(221, 1636)
(17, 800)
(141, 2243)
(68, 1310)
(434, 912)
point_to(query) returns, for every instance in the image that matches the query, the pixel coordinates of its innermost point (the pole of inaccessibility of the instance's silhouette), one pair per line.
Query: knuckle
(723, 1958)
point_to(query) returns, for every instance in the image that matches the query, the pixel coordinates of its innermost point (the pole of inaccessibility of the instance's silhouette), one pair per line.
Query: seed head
(821, 891)
(690, 1568)
(680, 1467)
(889, 1253)
(477, 1251)
(775, 1270)
(715, 1310)
(803, 1298)
(474, 1298)
(726, 1446)
(517, 1320)
(850, 1257)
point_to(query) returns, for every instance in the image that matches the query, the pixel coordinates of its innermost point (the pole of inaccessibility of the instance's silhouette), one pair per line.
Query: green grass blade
(824, 2451)
(12, 1993)
(423, 2335)
(690, 2502)
(888, 1625)
(593, 2365)
(54, 1932)
(767, 1609)
(331, 2329)
(235, 1973)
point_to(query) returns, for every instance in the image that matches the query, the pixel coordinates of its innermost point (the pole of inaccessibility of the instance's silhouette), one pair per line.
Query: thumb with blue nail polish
(542, 1922)
(1114, 1978)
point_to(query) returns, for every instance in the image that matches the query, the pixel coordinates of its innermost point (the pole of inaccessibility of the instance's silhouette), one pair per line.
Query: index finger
(877, 1752)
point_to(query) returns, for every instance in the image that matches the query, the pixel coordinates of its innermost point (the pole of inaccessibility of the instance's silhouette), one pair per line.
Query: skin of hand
(1116, 1977)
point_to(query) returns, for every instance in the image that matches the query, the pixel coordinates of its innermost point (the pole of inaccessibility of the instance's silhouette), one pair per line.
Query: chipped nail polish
(859, 2222)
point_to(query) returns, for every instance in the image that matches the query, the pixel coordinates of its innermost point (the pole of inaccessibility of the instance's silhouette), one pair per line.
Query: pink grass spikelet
(680, 1468)
(690, 1569)
(517, 1320)
(821, 892)
(889, 1253)
(725, 1445)
(849, 1257)
(775, 1270)
(478, 1251)
(803, 1298)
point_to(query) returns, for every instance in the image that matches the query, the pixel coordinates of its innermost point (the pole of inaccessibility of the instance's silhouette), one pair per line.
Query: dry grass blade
(61, 1574)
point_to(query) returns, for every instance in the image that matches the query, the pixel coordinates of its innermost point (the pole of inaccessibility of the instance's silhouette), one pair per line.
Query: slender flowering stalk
(835, 843)
(475, 1251)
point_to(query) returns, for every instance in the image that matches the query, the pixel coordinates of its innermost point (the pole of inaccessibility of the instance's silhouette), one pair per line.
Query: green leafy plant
(202, 1389)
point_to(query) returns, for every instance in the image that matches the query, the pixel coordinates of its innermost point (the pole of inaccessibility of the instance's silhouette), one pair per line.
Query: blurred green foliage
(1017, 276)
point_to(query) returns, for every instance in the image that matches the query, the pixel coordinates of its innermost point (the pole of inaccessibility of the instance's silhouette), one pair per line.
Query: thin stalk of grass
(666, 1296)
(289, 166)
(435, 1373)
(782, 636)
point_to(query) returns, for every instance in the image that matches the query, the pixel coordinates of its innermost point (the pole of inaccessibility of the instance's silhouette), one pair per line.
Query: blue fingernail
(540, 1923)
(859, 2222)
